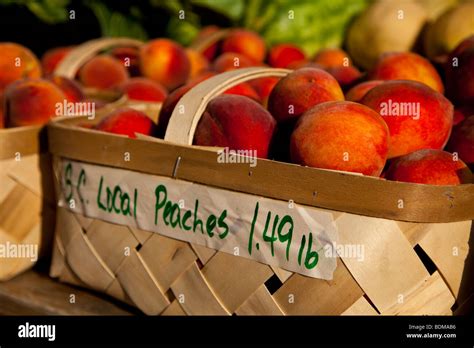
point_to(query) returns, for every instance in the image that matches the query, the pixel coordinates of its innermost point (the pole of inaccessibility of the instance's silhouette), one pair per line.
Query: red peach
(332, 58)
(141, 88)
(245, 90)
(245, 42)
(462, 112)
(264, 86)
(462, 140)
(346, 76)
(166, 62)
(300, 90)
(282, 55)
(418, 117)
(236, 122)
(231, 61)
(428, 166)
(128, 56)
(32, 102)
(127, 121)
(357, 92)
(406, 66)
(17, 62)
(460, 72)
(71, 89)
(51, 58)
(341, 136)
(103, 72)
(211, 51)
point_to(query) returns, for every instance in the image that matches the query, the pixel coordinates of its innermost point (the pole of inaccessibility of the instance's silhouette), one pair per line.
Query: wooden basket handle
(84, 52)
(182, 126)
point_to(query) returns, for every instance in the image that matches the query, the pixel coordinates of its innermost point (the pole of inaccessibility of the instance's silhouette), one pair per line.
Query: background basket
(418, 259)
(27, 202)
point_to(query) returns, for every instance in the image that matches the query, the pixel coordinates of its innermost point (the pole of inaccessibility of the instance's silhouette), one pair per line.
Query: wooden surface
(34, 293)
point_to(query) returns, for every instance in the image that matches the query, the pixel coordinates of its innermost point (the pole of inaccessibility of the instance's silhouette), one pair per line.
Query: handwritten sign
(273, 232)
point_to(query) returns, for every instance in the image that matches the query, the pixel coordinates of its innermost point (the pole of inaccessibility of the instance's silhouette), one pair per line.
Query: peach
(71, 89)
(462, 140)
(31, 102)
(231, 61)
(264, 86)
(300, 90)
(128, 56)
(211, 51)
(166, 62)
(304, 64)
(172, 100)
(357, 92)
(244, 89)
(406, 66)
(460, 72)
(141, 88)
(282, 55)
(245, 42)
(236, 122)
(418, 117)
(429, 166)
(332, 58)
(462, 112)
(346, 76)
(198, 61)
(51, 58)
(17, 62)
(103, 72)
(341, 135)
(126, 121)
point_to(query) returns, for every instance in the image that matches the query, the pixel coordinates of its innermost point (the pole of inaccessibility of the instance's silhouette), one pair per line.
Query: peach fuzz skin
(31, 102)
(13, 54)
(245, 42)
(343, 136)
(166, 62)
(126, 121)
(103, 72)
(407, 66)
(429, 129)
(236, 122)
(300, 90)
(433, 167)
(358, 92)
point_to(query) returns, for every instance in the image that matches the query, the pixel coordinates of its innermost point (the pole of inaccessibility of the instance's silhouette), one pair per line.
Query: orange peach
(282, 55)
(460, 72)
(32, 102)
(428, 166)
(332, 58)
(231, 61)
(236, 122)
(211, 51)
(17, 62)
(245, 42)
(127, 121)
(103, 72)
(418, 117)
(264, 86)
(141, 88)
(166, 62)
(343, 136)
(357, 92)
(198, 61)
(304, 64)
(52, 57)
(462, 140)
(406, 66)
(346, 76)
(300, 90)
(71, 89)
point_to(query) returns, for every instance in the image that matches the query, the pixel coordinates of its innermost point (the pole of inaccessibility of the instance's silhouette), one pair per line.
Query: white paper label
(273, 232)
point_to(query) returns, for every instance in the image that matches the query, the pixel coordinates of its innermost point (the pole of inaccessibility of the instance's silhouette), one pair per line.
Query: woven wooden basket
(417, 259)
(27, 202)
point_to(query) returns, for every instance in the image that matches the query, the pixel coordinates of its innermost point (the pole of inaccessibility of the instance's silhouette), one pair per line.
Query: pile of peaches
(405, 119)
